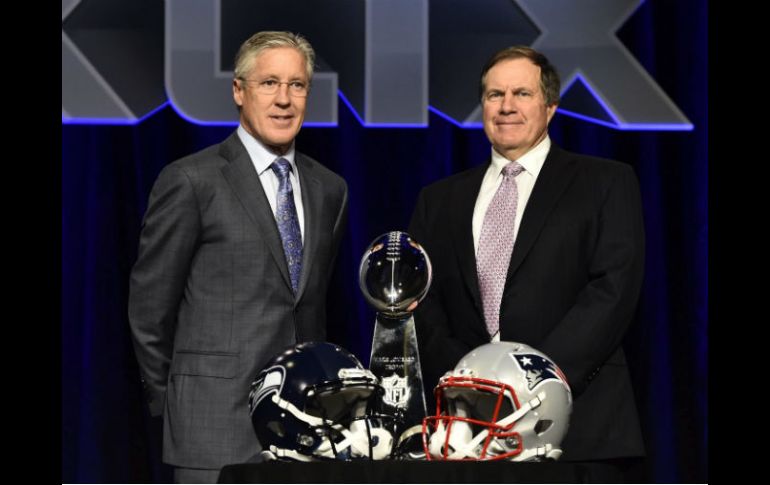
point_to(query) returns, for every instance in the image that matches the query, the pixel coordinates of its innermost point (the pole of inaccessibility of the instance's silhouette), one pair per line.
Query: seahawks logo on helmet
(538, 370)
(268, 382)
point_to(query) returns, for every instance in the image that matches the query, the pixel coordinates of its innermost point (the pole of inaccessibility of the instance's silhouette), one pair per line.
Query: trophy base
(395, 361)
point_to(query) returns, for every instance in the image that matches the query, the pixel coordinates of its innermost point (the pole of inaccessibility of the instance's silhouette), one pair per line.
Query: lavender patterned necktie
(496, 245)
(288, 222)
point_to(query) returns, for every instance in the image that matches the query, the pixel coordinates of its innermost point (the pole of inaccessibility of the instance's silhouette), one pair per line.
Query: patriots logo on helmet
(268, 382)
(537, 369)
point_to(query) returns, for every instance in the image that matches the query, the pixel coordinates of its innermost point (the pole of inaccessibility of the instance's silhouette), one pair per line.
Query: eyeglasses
(298, 89)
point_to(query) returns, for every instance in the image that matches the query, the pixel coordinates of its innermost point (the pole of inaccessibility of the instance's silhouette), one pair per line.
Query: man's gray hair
(261, 41)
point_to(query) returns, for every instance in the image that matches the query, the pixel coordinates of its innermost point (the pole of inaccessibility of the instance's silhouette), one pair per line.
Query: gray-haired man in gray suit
(219, 285)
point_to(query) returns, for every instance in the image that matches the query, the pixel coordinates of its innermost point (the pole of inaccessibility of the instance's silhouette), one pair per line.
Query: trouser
(195, 475)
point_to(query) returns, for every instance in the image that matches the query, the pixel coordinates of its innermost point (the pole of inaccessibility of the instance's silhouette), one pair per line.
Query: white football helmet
(503, 401)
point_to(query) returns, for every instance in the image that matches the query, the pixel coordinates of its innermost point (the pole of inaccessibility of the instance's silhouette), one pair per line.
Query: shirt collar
(260, 155)
(532, 161)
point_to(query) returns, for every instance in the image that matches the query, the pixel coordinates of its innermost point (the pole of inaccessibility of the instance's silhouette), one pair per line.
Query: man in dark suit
(539, 246)
(235, 255)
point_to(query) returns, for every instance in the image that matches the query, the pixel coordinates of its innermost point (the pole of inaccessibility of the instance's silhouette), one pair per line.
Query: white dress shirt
(532, 161)
(262, 158)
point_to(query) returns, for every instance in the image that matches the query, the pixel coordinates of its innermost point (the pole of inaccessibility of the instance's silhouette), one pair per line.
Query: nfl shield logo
(396, 391)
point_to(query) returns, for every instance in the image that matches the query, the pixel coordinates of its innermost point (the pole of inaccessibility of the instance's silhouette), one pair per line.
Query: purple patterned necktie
(288, 222)
(496, 245)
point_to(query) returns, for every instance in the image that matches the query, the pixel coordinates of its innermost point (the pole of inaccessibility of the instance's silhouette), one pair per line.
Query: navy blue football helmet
(315, 401)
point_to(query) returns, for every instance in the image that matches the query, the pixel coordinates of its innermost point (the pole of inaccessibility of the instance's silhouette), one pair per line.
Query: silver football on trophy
(395, 273)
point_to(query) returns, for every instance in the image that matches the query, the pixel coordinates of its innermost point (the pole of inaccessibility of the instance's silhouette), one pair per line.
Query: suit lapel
(556, 174)
(312, 200)
(244, 180)
(464, 200)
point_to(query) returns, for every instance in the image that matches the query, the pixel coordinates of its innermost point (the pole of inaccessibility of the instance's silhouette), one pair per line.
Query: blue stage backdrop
(108, 171)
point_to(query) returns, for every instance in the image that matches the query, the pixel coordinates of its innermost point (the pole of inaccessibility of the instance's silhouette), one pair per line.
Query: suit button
(146, 389)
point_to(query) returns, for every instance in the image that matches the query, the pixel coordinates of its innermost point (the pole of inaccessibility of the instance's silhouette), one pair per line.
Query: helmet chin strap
(409, 432)
(547, 451)
(284, 453)
(454, 436)
(467, 450)
(358, 441)
(357, 438)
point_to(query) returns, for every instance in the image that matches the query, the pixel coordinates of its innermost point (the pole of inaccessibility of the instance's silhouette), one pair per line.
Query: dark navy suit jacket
(571, 290)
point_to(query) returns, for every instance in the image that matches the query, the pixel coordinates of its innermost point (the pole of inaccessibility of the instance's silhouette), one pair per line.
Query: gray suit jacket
(210, 298)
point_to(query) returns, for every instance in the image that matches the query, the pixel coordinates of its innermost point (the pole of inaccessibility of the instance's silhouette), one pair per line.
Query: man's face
(273, 119)
(515, 114)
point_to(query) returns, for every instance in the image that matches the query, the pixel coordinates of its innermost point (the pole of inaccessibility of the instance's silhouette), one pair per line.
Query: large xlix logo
(390, 61)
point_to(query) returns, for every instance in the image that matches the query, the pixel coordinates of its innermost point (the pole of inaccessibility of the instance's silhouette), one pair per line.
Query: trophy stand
(395, 275)
(396, 361)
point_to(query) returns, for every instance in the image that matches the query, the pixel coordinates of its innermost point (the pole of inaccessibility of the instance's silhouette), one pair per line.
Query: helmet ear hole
(542, 426)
